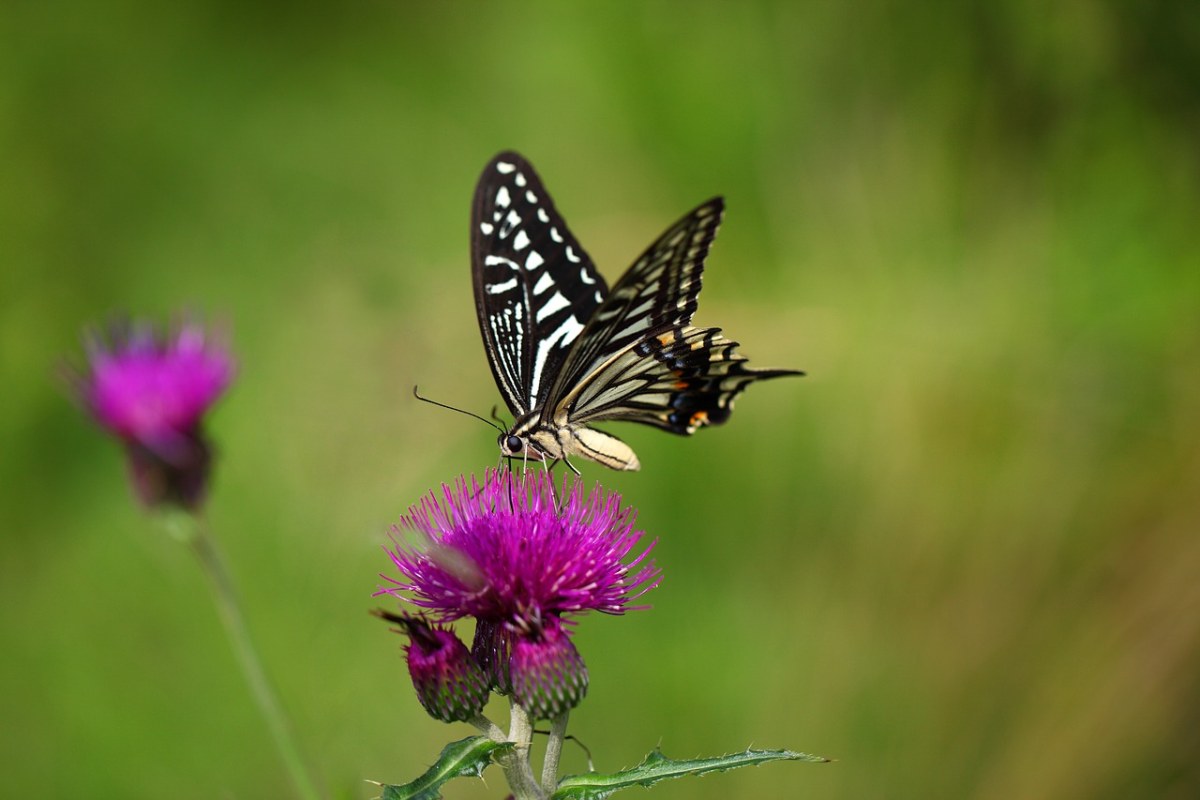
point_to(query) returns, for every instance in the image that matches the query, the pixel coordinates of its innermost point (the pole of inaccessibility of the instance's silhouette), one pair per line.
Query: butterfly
(567, 351)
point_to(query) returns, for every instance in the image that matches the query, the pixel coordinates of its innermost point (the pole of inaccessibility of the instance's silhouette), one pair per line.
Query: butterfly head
(514, 446)
(531, 439)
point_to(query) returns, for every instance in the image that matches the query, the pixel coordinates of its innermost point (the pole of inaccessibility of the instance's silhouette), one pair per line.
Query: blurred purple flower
(506, 555)
(151, 389)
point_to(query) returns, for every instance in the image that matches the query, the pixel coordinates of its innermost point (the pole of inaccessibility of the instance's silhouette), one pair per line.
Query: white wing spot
(571, 255)
(555, 303)
(583, 276)
(520, 179)
(555, 235)
(542, 215)
(503, 167)
(500, 288)
(511, 221)
(534, 261)
(502, 197)
(531, 197)
(520, 241)
(598, 297)
(543, 283)
(499, 261)
(567, 333)
(486, 228)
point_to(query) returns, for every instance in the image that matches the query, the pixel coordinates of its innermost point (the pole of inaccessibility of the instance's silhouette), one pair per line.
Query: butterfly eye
(513, 444)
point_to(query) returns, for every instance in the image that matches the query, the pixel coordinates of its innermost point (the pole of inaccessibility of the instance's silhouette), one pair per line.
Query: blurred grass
(960, 556)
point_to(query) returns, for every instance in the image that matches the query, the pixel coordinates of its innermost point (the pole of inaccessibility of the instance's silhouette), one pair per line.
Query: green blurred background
(960, 557)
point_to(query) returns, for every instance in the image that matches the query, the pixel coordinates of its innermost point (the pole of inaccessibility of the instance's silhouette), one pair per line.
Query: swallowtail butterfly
(567, 351)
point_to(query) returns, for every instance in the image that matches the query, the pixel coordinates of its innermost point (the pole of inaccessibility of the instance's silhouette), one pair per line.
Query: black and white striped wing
(656, 295)
(680, 381)
(639, 359)
(535, 287)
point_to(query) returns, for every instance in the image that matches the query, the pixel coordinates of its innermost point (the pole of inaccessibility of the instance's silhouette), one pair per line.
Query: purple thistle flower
(151, 389)
(505, 554)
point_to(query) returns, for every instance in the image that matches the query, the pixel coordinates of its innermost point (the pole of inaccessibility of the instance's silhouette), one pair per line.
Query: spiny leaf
(657, 767)
(465, 758)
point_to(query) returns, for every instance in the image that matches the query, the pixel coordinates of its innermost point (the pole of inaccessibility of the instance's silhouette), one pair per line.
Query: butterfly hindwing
(658, 293)
(535, 286)
(679, 381)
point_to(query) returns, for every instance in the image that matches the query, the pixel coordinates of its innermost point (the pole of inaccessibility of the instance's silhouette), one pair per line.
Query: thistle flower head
(506, 553)
(151, 389)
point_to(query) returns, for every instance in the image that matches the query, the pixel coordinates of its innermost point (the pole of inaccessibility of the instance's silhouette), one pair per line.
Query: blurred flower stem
(192, 530)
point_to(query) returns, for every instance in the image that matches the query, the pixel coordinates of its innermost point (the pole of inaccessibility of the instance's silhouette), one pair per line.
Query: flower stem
(488, 728)
(194, 532)
(516, 762)
(554, 745)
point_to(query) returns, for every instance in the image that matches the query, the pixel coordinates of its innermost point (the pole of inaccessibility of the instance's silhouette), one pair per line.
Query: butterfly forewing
(535, 287)
(657, 294)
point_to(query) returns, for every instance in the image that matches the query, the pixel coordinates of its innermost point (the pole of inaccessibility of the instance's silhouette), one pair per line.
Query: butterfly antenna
(498, 418)
(417, 395)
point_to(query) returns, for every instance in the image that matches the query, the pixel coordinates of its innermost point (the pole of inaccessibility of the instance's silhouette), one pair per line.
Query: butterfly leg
(549, 465)
(561, 501)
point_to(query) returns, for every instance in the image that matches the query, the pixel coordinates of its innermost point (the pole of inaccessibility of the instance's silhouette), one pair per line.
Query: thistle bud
(548, 674)
(181, 481)
(450, 685)
(492, 650)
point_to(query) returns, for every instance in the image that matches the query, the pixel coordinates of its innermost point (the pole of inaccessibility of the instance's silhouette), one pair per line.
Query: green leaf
(657, 767)
(465, 758)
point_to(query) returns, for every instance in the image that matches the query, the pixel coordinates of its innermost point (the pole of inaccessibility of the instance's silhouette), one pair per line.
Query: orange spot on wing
(698, 419)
